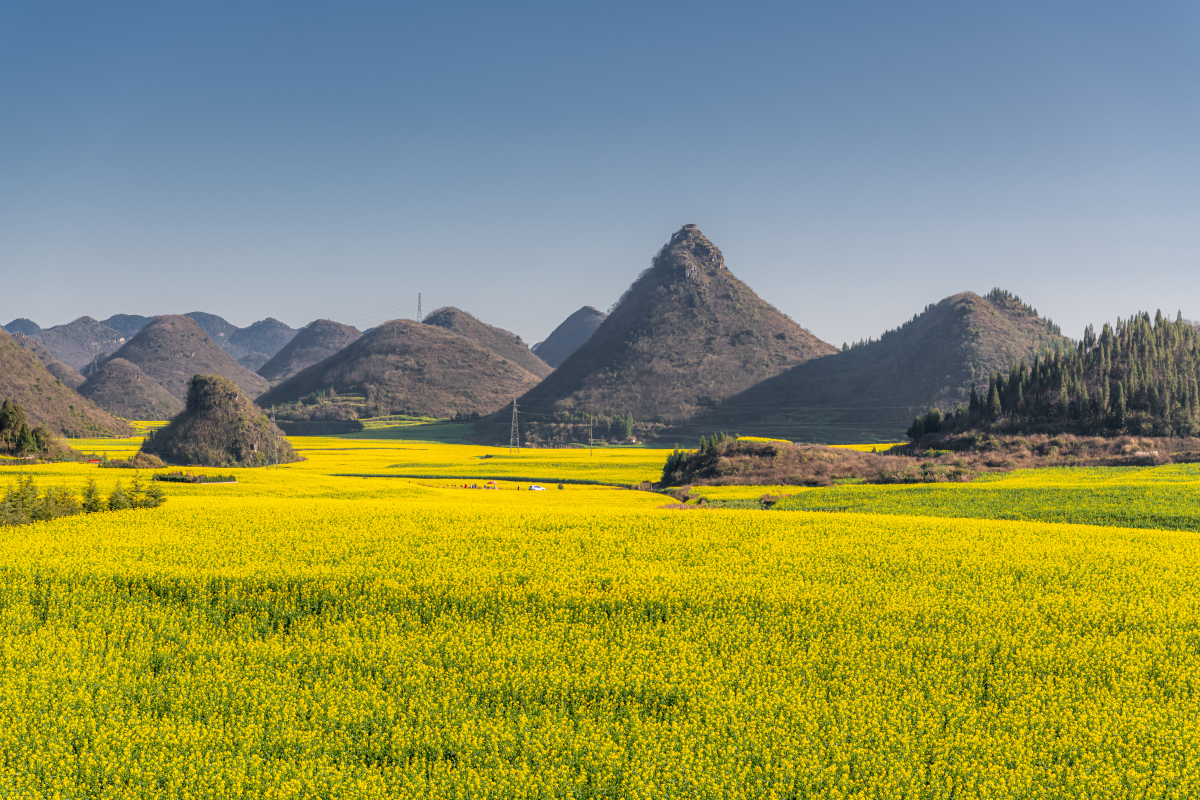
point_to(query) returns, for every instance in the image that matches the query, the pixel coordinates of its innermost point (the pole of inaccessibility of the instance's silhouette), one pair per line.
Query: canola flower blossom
(301, 634)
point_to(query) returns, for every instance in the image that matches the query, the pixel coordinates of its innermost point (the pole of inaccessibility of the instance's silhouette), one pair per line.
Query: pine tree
(118, 500)
(92, 501)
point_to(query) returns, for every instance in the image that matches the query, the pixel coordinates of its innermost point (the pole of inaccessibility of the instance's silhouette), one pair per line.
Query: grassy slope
(687, 333)
(871, 393)
(405, 367)
(314, 343)
(173, 348)
(25, 380)
(489, 337)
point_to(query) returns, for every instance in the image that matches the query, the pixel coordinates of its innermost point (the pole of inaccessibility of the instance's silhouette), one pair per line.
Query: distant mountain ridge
(409, 367)
(570, 335)
(78, 342)
(312, 344)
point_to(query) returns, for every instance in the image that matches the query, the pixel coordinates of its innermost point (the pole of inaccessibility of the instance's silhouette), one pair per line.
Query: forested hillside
(1138, 377)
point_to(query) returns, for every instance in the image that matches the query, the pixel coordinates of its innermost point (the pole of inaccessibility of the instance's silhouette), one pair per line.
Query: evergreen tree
(119, 500)
(155, 497)
(92, 501)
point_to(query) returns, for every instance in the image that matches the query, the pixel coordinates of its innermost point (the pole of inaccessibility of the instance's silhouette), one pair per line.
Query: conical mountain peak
(688, 256)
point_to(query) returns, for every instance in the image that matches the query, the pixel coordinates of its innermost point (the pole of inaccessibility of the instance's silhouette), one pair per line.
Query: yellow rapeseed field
(309, 632)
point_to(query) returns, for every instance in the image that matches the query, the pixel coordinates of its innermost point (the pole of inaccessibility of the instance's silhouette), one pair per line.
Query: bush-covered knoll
(219, 427)
(121, 388)
(405, 367)
(503, 343)
(46, 401)
(725, 461)
(313, 344)
(173, 348)
(871, 390)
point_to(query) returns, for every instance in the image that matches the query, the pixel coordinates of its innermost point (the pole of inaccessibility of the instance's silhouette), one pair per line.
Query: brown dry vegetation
(958, 458)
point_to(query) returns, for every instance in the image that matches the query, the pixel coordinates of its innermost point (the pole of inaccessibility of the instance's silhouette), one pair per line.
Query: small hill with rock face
(219, 427)
(68, 375)
(409, 367)
(25, 326)
(267, 336)
(80, 341)
(872, 391)
(25, 380)
(121, 388)
(314, 343)
(489, 337)
(685, 335)
(570, 335)
(173, 348)
(126, 324)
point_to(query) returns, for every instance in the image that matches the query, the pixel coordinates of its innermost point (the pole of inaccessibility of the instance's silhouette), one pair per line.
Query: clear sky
(853, 161)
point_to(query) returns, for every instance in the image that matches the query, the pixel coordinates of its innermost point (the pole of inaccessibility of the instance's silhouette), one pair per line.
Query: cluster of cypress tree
(16, 437)
(26, 503)
(1140, 377)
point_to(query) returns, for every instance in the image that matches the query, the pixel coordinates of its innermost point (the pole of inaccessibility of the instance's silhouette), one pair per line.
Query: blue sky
(853, 161)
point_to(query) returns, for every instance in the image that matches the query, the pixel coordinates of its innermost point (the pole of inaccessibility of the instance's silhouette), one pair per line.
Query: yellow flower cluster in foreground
(299, 634)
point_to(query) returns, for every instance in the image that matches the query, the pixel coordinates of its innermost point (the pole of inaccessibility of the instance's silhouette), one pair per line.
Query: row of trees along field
(16, 437)
(1140, 377)
(26, 503)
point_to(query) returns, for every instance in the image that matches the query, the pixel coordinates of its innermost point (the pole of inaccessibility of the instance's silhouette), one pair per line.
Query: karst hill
(684, 336)
(314, 343)
(171, 349)
(489, 337)
(407, 367)
(872, 391)
(570, 335)
(122, 388)
(219, 427)
(25, 380)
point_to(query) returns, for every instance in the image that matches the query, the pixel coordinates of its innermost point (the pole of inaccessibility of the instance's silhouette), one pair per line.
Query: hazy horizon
(853, 165)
